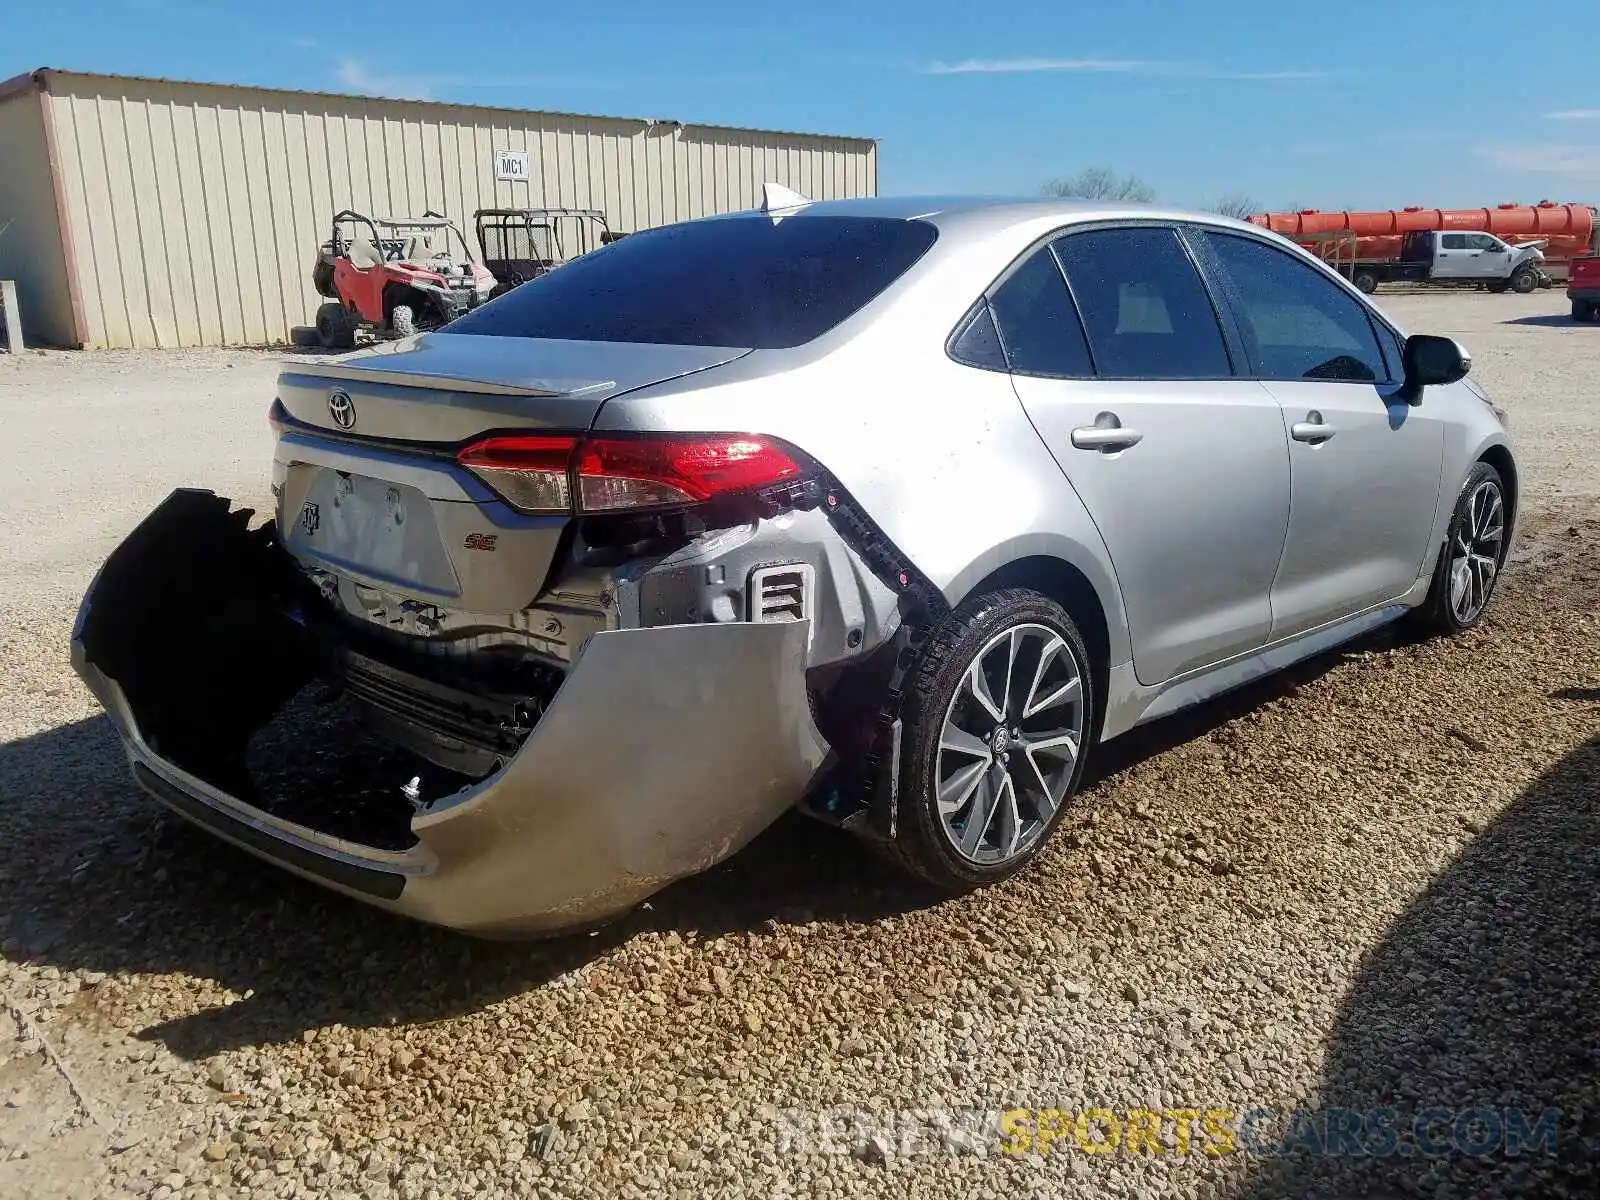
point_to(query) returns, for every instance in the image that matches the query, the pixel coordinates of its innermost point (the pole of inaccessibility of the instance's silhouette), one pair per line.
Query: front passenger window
(1299, 324)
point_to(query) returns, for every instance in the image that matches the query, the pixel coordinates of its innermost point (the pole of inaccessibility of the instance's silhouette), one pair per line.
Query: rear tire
(336, 328)
(1523, 282)
(1469, 563)
(1366, 282)
(402, 320)
(1585, 310)
(1497, 287)
(956, 706)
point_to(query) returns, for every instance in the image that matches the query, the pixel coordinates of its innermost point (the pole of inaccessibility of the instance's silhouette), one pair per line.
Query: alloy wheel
(1475, 552)
(1009, 744)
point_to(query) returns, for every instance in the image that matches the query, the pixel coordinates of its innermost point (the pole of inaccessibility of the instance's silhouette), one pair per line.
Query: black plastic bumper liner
(385, 885)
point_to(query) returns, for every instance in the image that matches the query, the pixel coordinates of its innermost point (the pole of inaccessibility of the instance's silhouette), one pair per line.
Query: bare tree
(1101, 183)
(1236, 205)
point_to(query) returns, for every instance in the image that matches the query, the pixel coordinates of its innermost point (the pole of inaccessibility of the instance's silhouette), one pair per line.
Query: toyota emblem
(342, 409)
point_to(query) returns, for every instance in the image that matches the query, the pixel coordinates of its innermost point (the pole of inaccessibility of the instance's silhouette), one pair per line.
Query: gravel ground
(1371, 882)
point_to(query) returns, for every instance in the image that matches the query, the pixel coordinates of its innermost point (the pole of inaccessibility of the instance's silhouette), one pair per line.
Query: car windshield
(747, 281)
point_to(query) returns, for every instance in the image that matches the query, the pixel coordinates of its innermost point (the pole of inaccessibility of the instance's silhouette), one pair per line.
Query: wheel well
(402, 293)
(1071, 589)
(1500, 459)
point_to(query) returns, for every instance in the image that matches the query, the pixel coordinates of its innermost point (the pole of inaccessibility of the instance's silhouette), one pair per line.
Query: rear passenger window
(1300, 325)
(1038, 325)
(978, 343)
(1147, 313)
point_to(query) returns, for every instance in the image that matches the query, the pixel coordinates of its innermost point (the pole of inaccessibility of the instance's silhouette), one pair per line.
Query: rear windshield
(746, 281)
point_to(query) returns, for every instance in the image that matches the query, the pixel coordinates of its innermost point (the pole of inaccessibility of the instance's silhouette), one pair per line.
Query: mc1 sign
(511, 166)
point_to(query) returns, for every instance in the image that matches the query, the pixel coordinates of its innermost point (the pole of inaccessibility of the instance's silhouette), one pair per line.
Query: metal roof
(40, 78)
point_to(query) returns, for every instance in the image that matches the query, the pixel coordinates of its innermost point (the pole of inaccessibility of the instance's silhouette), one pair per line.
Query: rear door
(1454, 259)
(1365, 465)
(1129, 379)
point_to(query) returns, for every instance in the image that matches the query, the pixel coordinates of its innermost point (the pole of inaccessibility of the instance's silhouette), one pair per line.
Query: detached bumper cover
(665, 751)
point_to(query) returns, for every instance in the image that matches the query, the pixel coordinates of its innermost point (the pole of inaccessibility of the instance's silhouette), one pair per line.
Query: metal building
(154, 212)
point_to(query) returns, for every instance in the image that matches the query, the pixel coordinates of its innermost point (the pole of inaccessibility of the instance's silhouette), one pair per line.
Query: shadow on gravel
(1484, 994)
(1556, 320)
(96, 876)
(1147, 741)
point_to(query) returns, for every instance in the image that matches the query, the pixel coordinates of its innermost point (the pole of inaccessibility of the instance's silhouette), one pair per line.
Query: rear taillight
(532, 473)
(549, 474)
(616, 473)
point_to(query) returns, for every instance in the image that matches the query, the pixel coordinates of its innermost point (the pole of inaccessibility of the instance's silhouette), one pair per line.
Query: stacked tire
(336, 328)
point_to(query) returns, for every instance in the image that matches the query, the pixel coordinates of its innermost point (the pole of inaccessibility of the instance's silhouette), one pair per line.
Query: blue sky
(1328, 105)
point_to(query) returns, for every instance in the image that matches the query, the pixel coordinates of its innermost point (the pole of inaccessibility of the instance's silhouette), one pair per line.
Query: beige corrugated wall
(30, 246)
(196, 210)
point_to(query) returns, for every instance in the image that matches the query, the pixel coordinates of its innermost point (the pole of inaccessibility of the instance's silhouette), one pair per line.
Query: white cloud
(358, 75)
(1111, 66)
(355, 75)
(1547, 158)
(1025, 66)
(1574, 114)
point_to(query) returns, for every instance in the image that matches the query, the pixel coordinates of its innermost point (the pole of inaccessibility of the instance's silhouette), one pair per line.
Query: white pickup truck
(1472, 257)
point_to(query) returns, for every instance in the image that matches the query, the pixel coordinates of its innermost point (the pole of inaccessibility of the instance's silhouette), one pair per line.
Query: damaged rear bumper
(663, 752)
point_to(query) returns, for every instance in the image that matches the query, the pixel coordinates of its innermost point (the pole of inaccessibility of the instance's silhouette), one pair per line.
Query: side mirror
(1430, 360)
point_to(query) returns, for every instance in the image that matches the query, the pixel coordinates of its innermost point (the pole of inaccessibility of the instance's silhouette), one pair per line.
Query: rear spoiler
(451, 382)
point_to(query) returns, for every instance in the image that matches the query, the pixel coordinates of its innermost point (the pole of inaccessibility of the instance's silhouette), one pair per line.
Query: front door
(1493, 260)
(1182, 467)
(1364, 465)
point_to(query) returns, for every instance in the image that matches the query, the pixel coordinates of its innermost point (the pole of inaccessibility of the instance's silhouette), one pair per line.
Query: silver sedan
(889, 509)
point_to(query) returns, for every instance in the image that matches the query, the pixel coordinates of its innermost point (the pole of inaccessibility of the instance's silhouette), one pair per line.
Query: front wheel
(1470, 561)
(1524, 282)
(998, 717)
(1366, 282)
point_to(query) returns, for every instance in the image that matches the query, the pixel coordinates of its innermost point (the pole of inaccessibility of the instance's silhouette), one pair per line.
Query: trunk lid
(446, 388)
(368, 487)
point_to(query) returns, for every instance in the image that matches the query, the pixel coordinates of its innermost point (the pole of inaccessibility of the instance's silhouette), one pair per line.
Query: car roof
(991, 214)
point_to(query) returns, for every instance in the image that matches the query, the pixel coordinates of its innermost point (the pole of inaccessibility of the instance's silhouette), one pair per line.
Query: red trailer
(1568, 231)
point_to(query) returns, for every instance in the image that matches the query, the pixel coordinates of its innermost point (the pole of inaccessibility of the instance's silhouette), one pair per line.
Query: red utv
(394, 276)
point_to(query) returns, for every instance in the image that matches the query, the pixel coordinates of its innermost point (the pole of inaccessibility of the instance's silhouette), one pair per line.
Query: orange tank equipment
(1568, 230)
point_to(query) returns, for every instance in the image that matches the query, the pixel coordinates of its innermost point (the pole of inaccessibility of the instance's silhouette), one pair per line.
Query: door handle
(1312, 429)
(1106, 434)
